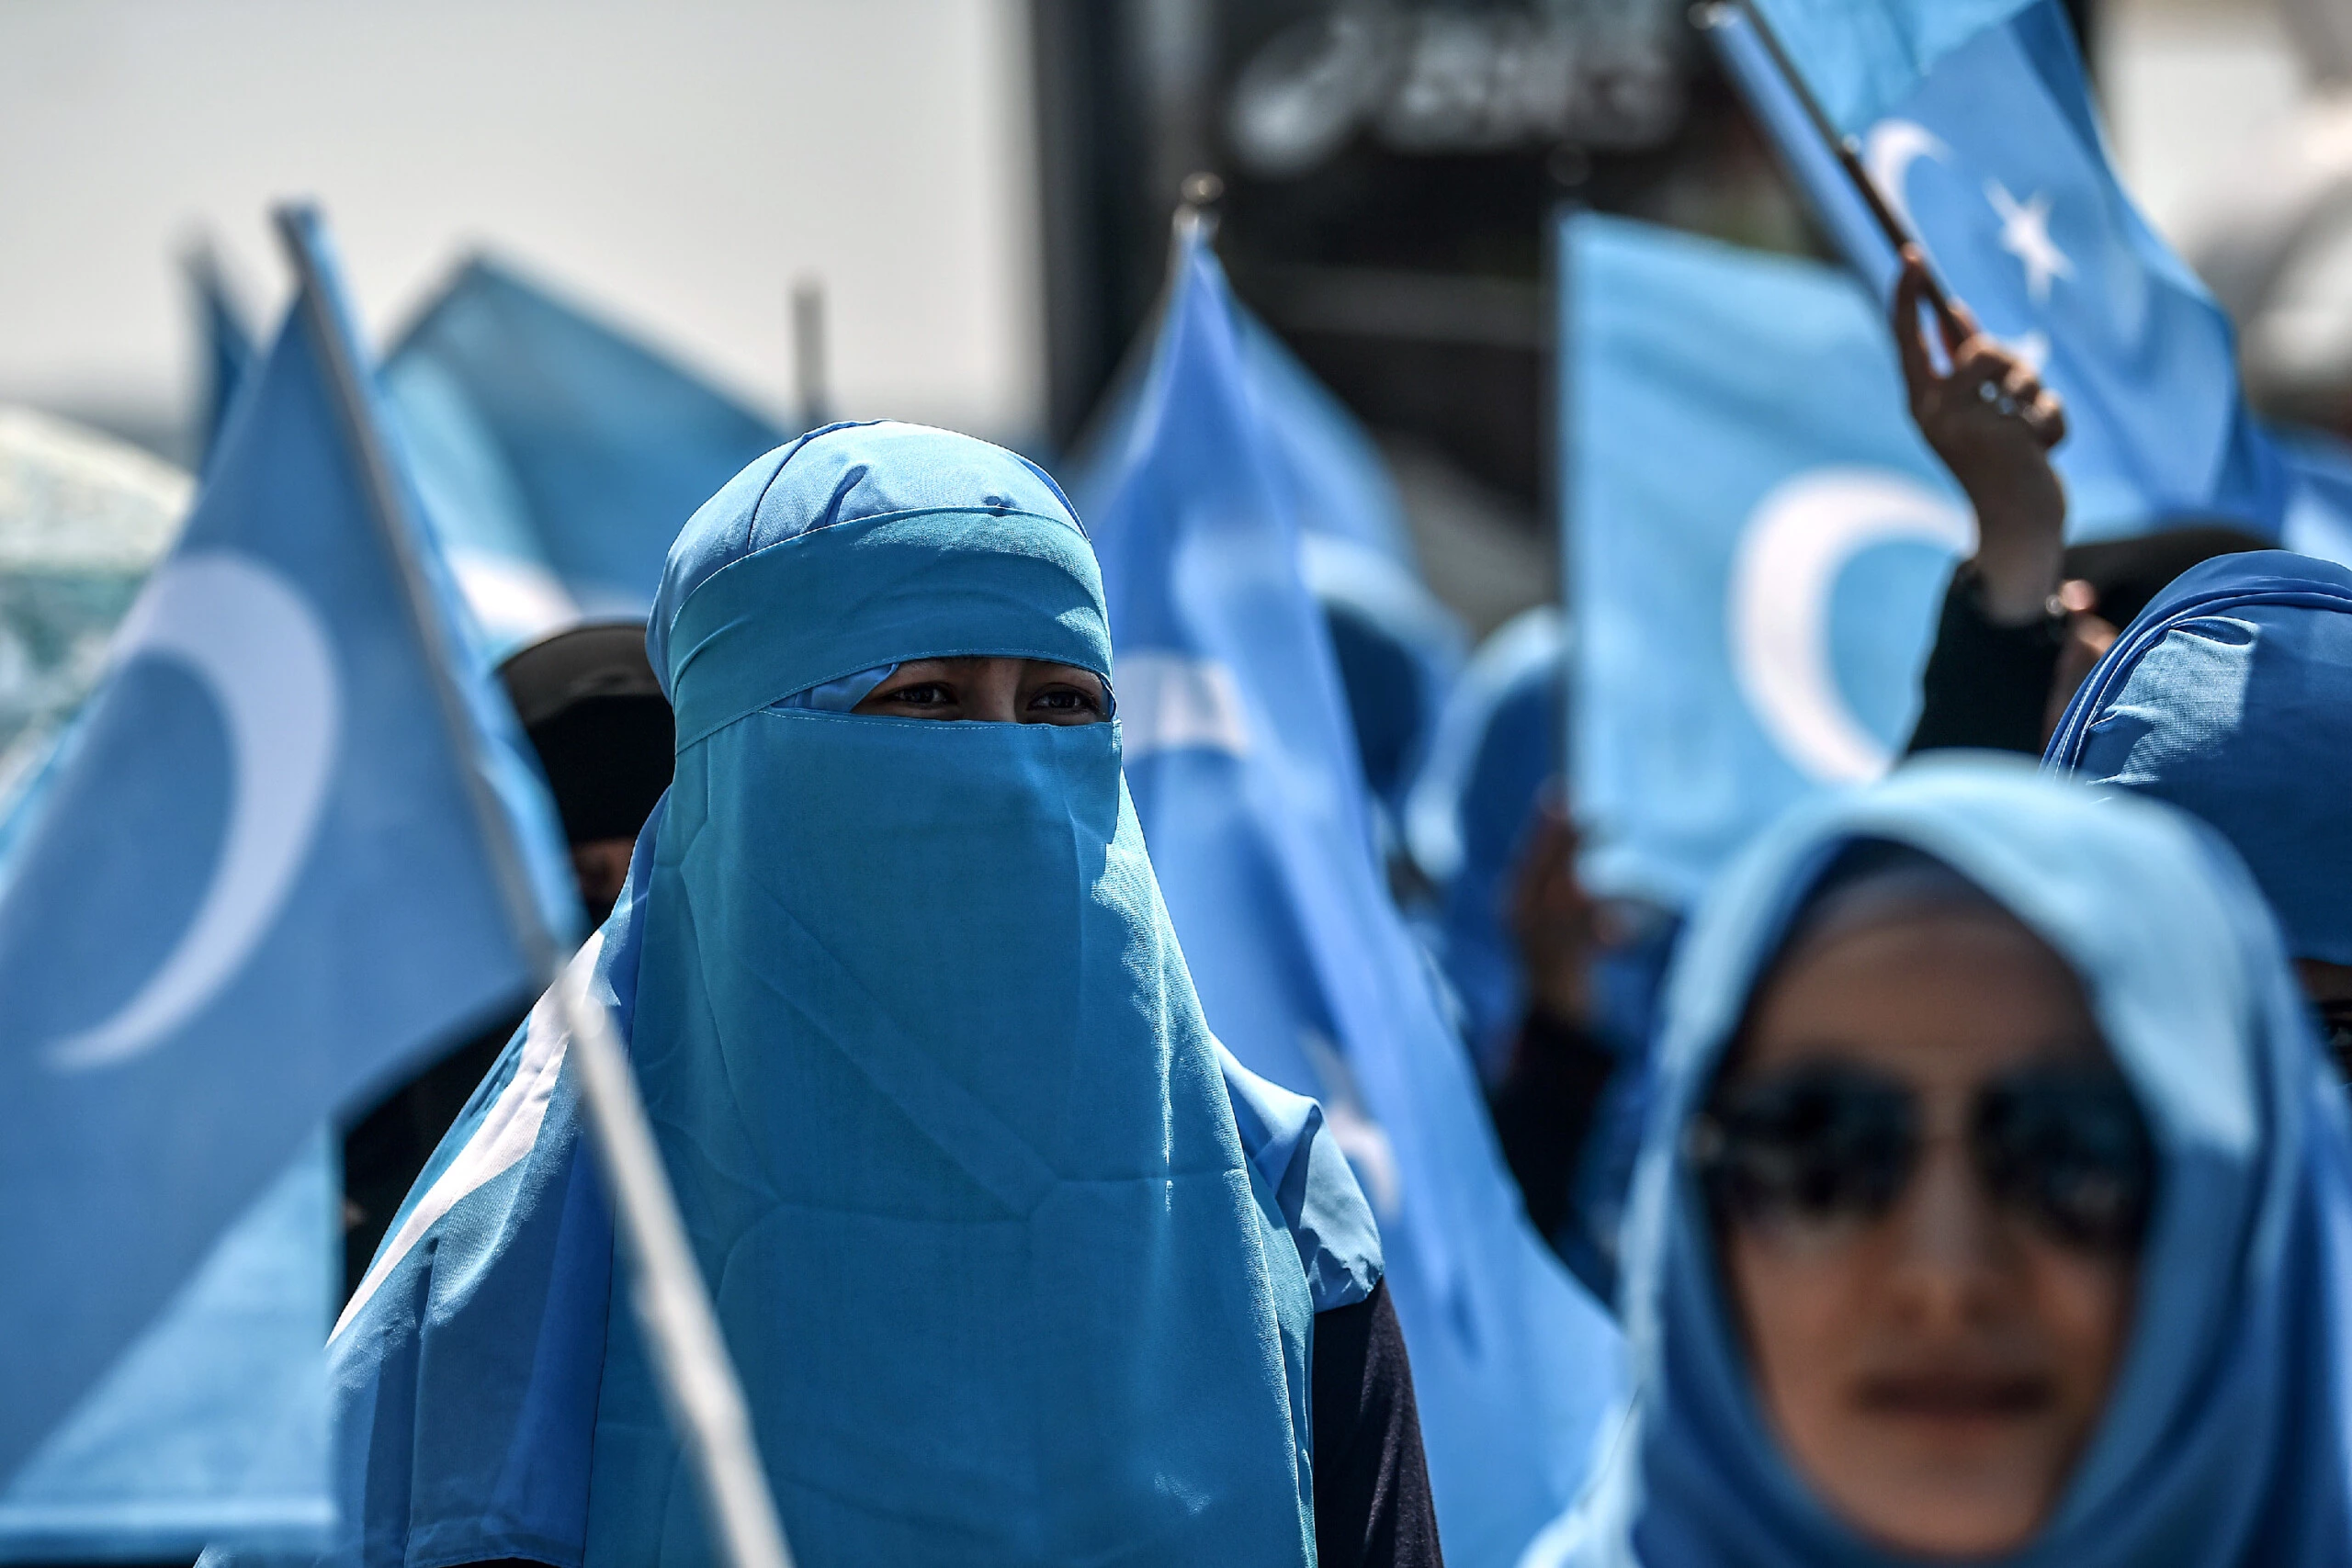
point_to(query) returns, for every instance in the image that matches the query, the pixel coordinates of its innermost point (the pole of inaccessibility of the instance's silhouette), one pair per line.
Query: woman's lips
(1956, 1396)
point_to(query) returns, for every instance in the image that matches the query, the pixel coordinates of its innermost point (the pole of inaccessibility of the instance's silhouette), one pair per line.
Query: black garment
(2127, 573)
(1987, 685)
(386, 1149)
(595, 714)
(1372, 1483)
(1544, 1111)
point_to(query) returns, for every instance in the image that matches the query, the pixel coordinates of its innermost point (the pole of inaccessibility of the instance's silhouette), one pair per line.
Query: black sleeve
(1985, 685)
(387, 1148)
(1544, 1110)
(1372, 1483)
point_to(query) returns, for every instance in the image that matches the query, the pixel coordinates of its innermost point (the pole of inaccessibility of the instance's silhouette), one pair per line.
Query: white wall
(679, 164)
(2191, 91)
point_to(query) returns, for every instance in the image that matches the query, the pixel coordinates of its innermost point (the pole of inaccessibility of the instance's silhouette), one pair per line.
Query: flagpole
(1560, 477)
(689, 1354)
(1843, 148)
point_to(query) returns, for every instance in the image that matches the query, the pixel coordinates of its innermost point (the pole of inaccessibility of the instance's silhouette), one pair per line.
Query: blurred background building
(980, 189)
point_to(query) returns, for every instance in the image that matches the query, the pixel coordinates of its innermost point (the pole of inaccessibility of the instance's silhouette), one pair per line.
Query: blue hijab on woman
(2231, 695)
(2224, 1436)
(1016, 1264)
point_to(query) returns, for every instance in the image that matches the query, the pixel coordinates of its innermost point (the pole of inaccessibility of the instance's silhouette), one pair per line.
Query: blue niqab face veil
(951, 1137)
(2224, 1436)
(2231, 695)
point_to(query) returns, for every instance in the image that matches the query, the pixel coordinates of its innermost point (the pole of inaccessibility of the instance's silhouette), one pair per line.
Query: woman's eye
(1063, 699)
(928, 694)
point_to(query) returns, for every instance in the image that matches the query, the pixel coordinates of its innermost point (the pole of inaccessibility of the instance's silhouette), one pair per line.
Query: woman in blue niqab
(951, 1133)
(2223, 1437)
(1016, 1264)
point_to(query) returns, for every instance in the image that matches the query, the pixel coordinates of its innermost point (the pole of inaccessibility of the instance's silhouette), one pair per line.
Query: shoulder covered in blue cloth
(1292, 1150)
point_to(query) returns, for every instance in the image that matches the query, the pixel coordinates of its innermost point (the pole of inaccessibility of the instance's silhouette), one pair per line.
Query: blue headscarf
(1498, 743)
(2224, 1441)
(1399, 650)
(2231, 695)
(1016, 1264)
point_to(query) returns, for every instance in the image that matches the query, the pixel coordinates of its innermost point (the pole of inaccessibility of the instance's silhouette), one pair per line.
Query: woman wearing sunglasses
(1996, 1205)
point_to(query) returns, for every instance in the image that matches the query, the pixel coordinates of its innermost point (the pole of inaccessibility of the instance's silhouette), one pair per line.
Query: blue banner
(1993, 159)
(1860, 58)
(259, 883)
(1322, 460)
(1238, 751)
(224, 348)
(557, 457)
(1756, 544)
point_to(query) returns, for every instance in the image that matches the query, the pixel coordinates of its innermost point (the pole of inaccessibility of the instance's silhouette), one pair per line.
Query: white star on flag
(2025, 235)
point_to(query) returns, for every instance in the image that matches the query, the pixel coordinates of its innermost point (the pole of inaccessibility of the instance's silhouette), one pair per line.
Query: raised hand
(1993, 424)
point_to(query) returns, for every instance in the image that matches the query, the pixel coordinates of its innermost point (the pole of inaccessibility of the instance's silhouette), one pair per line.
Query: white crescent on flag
(1797, 541)
(260, 651)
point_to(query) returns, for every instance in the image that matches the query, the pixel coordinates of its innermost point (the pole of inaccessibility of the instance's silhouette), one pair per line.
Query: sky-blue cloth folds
(1017, 1264)
(955, 1149)
(2231, 695)
(2225, 1438)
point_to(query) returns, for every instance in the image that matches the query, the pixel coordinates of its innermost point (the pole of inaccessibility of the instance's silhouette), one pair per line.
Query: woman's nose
(995, 693)
(1945, 1254)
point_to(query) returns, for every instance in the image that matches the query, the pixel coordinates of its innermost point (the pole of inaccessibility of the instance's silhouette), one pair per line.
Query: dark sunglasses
(2067, 1149)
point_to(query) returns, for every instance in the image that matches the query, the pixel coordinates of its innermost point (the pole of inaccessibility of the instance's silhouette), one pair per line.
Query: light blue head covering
(2225, 1438)
(1498, 743)
(2231, 695)
(1016, 1263)
(1399, 650)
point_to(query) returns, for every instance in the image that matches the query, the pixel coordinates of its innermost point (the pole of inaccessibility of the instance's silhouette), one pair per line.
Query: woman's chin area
(1943, 1461)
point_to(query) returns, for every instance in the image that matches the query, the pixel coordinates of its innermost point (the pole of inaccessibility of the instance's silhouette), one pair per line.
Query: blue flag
(1322, 460)
(1863, 57)
(1994, 157)
(1756, 537)
(557, 457)
(212, 1426)
(1399, 648)
(224, 347)
(1236, 750)
(260, 882)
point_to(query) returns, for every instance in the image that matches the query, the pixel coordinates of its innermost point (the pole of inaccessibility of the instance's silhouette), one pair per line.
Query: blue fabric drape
(2231, 695)
(2225, 1438)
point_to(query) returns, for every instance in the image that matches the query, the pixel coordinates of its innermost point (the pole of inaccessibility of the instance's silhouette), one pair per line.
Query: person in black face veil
(596, 715)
